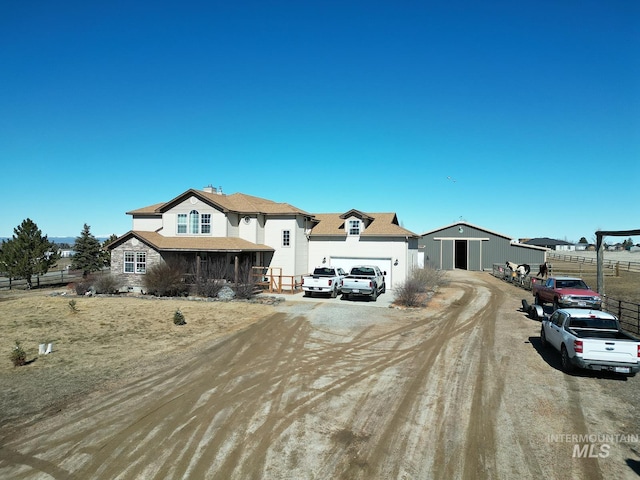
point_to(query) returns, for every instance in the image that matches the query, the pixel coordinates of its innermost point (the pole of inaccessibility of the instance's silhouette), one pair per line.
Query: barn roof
(466, 224)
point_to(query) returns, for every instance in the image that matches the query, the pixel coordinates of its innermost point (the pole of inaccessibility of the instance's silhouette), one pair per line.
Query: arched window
(194, 222)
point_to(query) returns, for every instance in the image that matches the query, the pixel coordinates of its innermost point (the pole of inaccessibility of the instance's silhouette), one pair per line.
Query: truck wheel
(538, 301)
(556, 305)
(374, 294)
(567, 366)
(334, 293)
(345, 296)
(543, 338)
(307, 294)
(384, 288)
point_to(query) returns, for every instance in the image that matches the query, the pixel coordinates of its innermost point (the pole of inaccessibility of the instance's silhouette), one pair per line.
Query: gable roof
(234, 203)
(381, 224)
(200, 244)
(466, 224)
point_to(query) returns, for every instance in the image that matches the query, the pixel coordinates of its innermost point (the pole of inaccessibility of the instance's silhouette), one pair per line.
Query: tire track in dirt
(404, 396)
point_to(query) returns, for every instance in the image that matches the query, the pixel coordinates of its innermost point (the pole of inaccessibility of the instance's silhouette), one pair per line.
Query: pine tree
(88, 253)
(106, 253)
(27, 253)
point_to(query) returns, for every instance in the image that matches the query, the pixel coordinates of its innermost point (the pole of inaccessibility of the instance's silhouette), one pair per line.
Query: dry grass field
(105, 340)
(624, 286)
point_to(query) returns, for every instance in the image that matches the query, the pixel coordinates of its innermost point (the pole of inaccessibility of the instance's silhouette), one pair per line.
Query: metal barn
(469, 247)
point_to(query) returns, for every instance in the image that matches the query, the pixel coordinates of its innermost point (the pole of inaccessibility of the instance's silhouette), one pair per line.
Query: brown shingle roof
(200, 244)
(236, 202)
(382, 224)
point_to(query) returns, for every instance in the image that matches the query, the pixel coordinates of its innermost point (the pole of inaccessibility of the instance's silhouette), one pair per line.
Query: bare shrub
(166, 279)
(84, 286)
(246, 286)
(431, 278)
(107, 284)
(411, 293)
(415, 291)
(210, 278)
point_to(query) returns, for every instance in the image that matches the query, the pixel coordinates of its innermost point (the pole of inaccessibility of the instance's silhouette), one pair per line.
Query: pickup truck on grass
(364, 280)
(323, 280)
(566, 292)
(591, 339)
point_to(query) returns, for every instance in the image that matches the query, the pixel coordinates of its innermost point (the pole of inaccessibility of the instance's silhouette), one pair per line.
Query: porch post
(236, 266)
(198, 269)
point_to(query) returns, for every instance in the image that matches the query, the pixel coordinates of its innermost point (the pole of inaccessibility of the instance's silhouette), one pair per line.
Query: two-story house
(200, 226)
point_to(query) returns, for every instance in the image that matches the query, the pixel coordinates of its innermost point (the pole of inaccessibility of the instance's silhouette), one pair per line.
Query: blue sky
(519, 117)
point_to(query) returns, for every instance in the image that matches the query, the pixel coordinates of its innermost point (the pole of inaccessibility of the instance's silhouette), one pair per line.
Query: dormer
(355, 222)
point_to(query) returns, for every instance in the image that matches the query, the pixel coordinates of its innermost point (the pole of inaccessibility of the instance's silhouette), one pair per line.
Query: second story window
(194, 221)
(182, 223)
(286, 238)
(205, 223)
(354, 227)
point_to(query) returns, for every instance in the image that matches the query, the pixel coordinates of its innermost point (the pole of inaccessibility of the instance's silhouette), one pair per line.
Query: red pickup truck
(565, 292)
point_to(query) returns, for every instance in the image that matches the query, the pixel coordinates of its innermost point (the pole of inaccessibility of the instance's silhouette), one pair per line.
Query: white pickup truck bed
(591, 340)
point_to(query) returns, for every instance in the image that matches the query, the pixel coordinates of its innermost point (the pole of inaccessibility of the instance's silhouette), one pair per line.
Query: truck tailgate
(619, 351)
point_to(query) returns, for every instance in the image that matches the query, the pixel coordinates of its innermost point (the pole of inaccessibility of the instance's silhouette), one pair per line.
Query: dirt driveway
(337, 390)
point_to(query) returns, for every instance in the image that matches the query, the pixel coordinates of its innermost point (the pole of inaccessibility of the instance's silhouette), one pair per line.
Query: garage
(383, 264)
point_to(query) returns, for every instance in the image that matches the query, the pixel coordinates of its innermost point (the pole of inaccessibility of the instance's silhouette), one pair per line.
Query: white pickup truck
(323, 280)
(591, 339)
(364, 280)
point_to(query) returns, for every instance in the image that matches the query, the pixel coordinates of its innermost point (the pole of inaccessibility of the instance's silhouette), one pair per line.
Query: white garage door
(383, 264)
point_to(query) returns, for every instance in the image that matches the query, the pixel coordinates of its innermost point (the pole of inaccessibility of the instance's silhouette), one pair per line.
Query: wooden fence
(270, 279)
(610, 264)
(49, 279)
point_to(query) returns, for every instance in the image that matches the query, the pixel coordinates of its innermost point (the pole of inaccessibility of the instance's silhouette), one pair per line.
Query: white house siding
(376, 250)
(170, 219)
(285, 257)
(146, 224)
(248, 231)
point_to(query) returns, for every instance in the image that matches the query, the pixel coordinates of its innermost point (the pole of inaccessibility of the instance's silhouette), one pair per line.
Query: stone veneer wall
(132, 280)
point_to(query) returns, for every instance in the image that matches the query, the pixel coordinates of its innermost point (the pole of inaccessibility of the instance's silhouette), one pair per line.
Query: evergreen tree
(106, 253)
(27, 253)
(583, 240)
(88, 253)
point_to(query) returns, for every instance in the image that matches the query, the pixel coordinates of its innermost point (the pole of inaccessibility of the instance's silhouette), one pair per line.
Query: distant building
(552, 244)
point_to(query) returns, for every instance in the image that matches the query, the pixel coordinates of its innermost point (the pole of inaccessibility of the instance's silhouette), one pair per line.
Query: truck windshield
(572, 284)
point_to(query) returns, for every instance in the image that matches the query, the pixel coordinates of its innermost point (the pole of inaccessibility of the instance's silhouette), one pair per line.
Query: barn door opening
(461, 254)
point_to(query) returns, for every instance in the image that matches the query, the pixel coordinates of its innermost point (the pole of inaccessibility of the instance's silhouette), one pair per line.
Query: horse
(544, 269)
(519, 270)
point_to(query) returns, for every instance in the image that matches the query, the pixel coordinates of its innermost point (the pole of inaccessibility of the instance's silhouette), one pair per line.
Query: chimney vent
(209, 189)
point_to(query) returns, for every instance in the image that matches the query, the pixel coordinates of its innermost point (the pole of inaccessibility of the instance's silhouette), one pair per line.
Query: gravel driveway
(327, 389)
